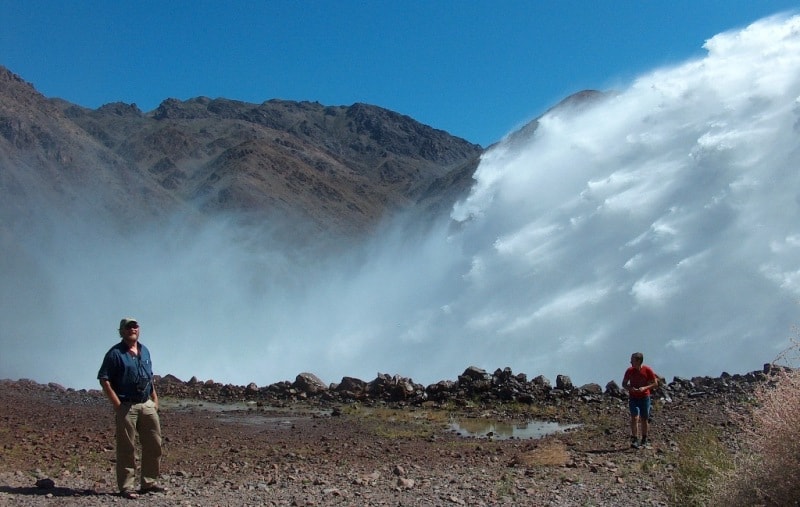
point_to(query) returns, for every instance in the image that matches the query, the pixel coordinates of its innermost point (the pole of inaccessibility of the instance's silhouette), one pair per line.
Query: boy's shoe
(645, 443)
(634, 442)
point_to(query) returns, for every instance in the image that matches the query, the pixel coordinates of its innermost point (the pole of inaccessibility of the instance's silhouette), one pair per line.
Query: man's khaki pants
(141, 418)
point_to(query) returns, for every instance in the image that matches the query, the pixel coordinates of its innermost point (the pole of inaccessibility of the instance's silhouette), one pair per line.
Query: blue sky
(477, 69)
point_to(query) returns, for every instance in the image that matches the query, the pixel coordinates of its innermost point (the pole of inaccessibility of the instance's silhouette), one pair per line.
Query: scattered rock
(283, 448)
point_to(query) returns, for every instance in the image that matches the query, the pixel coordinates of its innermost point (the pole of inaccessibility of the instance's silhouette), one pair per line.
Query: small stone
(405, 483)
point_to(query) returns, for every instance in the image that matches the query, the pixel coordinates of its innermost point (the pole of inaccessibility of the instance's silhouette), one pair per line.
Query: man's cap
(127, 320)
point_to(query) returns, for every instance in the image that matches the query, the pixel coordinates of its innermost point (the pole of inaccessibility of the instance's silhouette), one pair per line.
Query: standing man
(126, 377)
(639, 379)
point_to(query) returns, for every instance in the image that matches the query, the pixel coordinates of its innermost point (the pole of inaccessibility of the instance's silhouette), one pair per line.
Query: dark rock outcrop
(474, 385)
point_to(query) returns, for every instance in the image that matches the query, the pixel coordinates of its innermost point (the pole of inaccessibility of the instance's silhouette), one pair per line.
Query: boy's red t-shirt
(639, 378)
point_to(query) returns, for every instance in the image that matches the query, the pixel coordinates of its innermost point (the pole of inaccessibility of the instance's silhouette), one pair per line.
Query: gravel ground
(57, 449)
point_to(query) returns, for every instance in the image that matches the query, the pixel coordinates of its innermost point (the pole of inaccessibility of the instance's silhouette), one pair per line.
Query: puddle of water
(244, 412)
(526, 430)
(207, 405)
(250, 413)
(255, 419)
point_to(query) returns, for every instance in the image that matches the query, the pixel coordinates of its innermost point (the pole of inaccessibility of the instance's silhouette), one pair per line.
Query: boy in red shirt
(639, 379)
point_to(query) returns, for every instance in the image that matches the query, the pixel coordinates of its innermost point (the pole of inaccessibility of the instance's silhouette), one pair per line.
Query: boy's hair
(638, 356)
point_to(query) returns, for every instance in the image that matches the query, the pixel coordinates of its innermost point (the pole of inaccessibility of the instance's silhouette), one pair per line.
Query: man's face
(636, 363)
(131, 331)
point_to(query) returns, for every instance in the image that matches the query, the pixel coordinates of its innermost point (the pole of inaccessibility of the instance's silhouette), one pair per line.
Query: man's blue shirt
(131, 377)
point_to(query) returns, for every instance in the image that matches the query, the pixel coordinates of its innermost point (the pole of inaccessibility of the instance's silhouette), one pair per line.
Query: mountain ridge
(338, 168)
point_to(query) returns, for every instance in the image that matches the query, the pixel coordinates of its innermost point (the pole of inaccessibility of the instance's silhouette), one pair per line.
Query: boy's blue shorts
(639, 407)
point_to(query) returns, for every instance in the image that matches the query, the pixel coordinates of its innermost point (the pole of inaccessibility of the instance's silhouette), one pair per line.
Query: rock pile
(473, 385)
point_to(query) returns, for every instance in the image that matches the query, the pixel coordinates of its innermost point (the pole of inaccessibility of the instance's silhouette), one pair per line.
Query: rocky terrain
(388, 441)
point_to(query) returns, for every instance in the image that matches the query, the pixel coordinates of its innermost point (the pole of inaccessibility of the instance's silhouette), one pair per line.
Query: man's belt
(134, 401)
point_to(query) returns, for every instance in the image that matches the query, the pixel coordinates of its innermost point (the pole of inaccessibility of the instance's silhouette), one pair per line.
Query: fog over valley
(662, 217)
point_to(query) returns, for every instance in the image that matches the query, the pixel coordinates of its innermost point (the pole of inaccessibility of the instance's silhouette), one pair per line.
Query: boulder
(591, 389)
(473, 373)
(541, 381)
(564, 383)
(309, 383)
(351, 385)
(393, 388)
(613, 389)
(501, 376)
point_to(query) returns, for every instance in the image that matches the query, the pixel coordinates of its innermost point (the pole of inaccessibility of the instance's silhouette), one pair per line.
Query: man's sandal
(130, 495)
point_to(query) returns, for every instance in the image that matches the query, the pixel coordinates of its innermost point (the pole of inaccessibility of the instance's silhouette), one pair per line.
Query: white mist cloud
(664, 219)
(666, 198)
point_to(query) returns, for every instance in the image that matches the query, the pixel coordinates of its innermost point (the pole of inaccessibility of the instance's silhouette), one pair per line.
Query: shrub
(702, 457)
(767, 471)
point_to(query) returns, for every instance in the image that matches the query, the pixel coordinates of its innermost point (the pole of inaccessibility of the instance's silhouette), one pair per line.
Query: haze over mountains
(281, 188)
(662, 217)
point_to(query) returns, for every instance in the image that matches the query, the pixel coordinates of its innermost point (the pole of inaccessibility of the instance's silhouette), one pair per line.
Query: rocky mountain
(339, 168)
